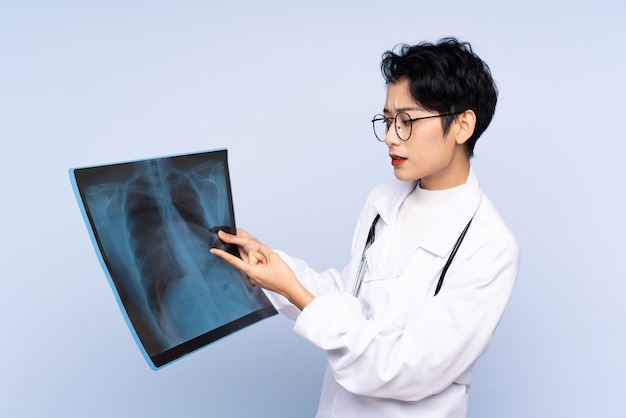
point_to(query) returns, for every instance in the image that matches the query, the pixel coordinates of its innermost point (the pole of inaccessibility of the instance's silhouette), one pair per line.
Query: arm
(436, 345)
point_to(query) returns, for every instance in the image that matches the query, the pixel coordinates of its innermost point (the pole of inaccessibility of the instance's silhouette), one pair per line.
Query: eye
(405, 120)
(387, 122)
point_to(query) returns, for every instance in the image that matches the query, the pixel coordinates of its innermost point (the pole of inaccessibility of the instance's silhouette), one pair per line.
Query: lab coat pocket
(416, 286)
(381, 269)
(389, 288)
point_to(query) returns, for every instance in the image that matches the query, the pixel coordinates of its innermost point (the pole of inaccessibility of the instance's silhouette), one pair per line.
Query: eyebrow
(403, 109)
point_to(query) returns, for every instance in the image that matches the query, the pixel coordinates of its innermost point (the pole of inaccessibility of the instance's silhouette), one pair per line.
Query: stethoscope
(371, 235)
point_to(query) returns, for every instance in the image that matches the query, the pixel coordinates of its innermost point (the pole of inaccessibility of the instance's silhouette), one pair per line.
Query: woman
(433, 264)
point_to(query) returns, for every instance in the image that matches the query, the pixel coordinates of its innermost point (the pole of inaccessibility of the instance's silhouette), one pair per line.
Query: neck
(455, 175)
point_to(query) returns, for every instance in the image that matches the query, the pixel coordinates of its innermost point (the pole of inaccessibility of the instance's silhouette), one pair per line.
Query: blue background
(289, 89)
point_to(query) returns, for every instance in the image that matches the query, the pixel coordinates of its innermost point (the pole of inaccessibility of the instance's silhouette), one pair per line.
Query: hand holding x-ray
(264, 267)
(242, 240)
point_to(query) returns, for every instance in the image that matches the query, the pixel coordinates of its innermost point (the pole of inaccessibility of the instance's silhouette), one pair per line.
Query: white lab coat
(397, 350)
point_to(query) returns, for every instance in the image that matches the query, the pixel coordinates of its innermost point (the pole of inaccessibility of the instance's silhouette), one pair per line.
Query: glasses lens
(380, 127)
(403, 126)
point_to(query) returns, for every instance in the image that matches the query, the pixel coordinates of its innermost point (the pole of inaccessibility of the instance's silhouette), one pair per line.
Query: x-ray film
(152, 223)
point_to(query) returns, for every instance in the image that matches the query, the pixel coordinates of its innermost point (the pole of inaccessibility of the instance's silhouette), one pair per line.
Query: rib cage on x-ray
(156, 228)
(152, 242)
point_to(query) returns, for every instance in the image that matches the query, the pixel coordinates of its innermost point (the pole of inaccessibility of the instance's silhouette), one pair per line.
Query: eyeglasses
(403, 124)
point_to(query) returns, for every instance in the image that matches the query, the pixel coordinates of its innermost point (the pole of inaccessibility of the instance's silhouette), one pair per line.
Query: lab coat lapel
(439, 240)
(379, 257)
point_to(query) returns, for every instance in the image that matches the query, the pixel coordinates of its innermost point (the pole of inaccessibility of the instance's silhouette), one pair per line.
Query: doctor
(433, 264)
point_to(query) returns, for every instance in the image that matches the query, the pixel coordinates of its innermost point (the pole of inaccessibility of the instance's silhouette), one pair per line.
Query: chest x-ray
(152, 223)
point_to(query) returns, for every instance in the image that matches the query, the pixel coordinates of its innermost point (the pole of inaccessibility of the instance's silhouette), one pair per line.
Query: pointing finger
(230, 259)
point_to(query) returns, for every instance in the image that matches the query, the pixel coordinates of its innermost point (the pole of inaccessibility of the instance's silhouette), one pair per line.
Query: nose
(391, 137)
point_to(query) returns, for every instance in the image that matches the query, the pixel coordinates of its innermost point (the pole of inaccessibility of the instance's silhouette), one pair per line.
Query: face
(437, 160)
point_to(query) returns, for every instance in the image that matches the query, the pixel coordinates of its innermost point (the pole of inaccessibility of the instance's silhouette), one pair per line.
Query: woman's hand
(264, 267)
(244, 241)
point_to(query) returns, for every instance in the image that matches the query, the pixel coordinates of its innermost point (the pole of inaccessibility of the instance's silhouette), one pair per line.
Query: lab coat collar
(387, 205)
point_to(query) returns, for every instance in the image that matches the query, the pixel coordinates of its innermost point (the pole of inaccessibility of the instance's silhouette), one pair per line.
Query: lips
(396, 160)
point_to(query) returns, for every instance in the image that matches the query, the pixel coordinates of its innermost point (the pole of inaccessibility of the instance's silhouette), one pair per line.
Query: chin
(405, 177)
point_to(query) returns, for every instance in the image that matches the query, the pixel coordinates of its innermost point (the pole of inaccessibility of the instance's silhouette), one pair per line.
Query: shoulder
(490, 252)
(488, 214)
(491, 228)
(390, 189)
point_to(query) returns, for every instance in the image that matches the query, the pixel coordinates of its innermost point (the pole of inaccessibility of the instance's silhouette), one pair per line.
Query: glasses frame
(378, 117)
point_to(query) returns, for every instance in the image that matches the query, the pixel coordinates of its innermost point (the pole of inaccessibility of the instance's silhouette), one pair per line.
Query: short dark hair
(446, 77)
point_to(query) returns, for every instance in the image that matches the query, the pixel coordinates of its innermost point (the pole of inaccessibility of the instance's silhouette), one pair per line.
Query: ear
(466, 122)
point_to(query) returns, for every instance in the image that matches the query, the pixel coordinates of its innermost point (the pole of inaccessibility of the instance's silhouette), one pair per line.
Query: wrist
(300, 297)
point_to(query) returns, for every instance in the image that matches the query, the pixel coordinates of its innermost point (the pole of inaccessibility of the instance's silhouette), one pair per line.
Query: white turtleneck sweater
(418, 212)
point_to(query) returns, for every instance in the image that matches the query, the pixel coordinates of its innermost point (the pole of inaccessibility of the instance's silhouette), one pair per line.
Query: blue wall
(289, 90)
